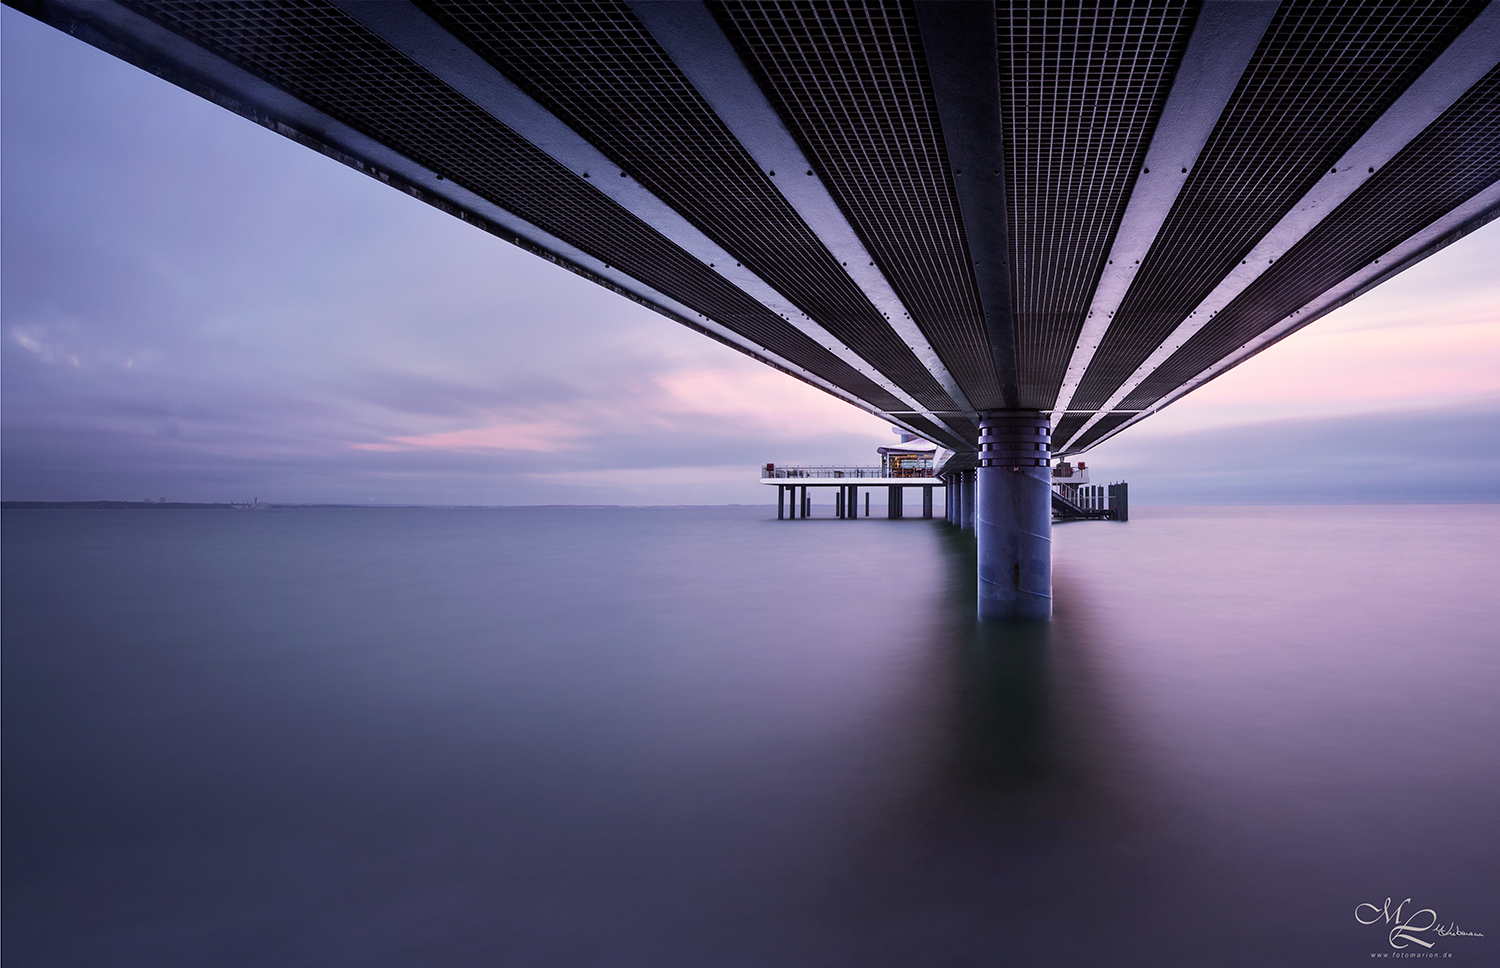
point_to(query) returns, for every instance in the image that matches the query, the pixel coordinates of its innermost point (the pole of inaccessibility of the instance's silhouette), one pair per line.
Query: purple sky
(196, 308)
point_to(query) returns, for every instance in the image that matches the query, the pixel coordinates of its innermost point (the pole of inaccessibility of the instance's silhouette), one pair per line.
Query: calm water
(697, 737)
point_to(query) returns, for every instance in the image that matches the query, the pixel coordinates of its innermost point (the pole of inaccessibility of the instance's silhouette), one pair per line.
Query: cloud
(542, 436)
(1434, 456)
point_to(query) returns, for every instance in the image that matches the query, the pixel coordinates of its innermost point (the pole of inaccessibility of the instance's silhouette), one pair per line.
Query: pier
(1071, 218)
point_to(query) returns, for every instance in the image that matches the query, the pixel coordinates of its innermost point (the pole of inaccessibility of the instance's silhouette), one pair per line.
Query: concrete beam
(958, 37)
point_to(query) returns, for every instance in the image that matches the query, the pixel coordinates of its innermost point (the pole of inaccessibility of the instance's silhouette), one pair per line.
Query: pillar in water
(966, 508)
(1013, 517)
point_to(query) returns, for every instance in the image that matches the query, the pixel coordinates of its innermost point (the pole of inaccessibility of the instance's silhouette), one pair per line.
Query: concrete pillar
(867, 504)
(966, 501)
(926, 502)
(780, 502)
(1013, 517)
(806, 501)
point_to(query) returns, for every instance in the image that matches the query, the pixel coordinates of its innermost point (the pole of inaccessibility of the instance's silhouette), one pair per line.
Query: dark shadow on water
(1032, 729)
(1030, 816)
(1001, 735)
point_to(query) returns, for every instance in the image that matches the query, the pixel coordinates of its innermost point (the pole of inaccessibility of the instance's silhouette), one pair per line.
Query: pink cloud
(544, 436)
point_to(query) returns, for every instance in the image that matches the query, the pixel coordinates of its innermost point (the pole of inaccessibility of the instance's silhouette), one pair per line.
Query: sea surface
(702, 737)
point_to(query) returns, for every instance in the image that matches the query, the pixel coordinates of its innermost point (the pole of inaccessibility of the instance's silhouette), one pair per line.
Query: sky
(192, 307)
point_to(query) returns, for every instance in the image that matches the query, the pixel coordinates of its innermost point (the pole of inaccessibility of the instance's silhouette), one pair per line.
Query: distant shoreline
(263, 506)
(125, 505)
(171, 506)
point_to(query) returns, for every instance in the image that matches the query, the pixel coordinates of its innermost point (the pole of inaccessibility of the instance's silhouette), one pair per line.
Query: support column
(1013, 517)
(926, 502)
(853, 502)
(806, 502)
(966, 501)
(867, 504)
(780, 502)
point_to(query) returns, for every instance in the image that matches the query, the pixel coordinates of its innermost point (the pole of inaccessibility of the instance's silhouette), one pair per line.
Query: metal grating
(1107, 423)
(597, 68)
(1082, 86)
(1457, 156)
(849, 79)
(320, 55)
(1067, 426)
(1322, 74)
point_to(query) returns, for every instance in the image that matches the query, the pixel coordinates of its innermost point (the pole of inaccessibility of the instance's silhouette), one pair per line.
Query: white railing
(800, 471)
(769, 472)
